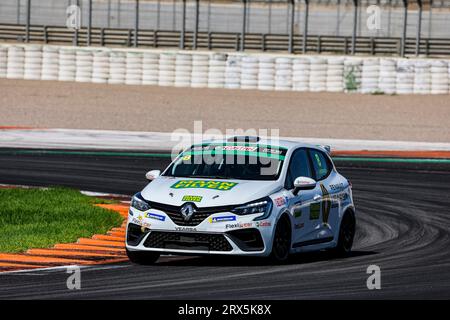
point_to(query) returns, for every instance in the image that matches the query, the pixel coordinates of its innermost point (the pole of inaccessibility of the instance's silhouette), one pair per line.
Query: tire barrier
(422, 77)
(133, 71)
(352, 74)
(15, 63)
(83, 64)
(318, 74)
(439, 77)
(216, 71)
(33, 63)
(50, 64)
(300, 74)
(405, 77)
(335, 74)
(233, 72)
(221, 70)
(370, 74)
(266, 73)
(183, 70)
(388, 76)
(283, 74)
(150, 68)
(100, 67)
(3, 62)
(249, 72)
(166, 69)
(117, 68)
(200, 67)
(67, 66)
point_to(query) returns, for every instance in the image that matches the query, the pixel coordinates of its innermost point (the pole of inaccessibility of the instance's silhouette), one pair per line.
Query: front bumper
(243, 236)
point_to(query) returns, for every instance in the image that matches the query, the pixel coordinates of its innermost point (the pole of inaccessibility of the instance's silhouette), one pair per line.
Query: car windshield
(229, 161)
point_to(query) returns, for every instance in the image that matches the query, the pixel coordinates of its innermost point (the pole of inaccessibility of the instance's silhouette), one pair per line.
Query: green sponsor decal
(204, 184)
(297, 212)
(314, 211)
(192, 198)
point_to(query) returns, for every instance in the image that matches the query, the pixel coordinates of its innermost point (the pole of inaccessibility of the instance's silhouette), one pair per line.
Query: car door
(322, 170)
(306, 203)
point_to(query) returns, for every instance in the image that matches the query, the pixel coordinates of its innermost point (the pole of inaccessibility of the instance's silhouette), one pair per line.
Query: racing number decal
(326, 203)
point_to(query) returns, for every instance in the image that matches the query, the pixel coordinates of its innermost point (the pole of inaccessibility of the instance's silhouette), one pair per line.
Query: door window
(321, 164)
(299, 166)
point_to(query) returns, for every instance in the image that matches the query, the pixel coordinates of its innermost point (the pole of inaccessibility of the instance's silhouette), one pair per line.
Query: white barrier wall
(221, 70)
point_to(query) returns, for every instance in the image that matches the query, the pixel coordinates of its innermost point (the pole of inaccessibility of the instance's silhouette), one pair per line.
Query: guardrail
(222, 41)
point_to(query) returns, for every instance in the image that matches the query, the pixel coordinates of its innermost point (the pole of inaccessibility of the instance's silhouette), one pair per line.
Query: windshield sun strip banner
(264, 149)
(233, 152)
(239, 144)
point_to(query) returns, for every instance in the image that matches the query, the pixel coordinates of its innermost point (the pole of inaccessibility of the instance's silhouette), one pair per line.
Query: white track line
(165, 141)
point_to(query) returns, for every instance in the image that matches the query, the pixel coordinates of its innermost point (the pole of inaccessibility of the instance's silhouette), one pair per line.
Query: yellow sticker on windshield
(204, 184)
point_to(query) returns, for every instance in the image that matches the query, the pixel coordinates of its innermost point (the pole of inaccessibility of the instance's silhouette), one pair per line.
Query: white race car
(243, 196)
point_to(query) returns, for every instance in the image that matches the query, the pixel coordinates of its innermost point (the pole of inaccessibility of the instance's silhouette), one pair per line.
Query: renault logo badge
(187, 211)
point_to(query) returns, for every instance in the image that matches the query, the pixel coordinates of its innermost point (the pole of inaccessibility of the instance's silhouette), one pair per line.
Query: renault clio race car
(243, 196)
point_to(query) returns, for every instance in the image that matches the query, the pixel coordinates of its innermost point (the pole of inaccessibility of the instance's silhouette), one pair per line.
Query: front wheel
(142, 257)
(282, 241)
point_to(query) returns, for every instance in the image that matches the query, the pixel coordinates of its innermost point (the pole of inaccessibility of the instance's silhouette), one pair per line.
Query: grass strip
(41, 218)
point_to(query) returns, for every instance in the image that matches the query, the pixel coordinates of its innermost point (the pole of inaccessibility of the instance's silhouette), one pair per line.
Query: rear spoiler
(326, 148)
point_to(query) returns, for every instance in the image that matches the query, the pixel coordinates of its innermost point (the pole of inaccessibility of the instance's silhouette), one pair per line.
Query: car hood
(207, 192)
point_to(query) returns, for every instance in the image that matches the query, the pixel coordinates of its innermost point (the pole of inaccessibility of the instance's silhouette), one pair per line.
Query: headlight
(139, 203)
(263, 206)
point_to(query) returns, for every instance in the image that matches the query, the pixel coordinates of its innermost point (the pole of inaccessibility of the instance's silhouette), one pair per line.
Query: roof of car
(269, 142)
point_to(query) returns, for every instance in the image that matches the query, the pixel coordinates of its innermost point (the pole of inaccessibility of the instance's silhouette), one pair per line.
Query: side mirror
(152, 175)
(303, 183)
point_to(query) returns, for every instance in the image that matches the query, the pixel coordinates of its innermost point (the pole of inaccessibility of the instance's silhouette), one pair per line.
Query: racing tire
(281, 241)
(346, 235)
(143, 258)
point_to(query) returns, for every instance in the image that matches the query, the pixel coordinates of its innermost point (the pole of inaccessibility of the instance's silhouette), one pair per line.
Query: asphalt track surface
(403, 226)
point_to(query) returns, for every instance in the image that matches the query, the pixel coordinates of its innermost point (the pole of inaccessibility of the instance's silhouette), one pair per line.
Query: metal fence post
(430, 19)
(419, 27)
(158, 14)
(108, 9)
(338, 15)
(174, 15)
(27, 34)
(197, 12)
(75, 35)
(209, 16)
(118, 13)
(136, 24)
(270, 16)
(244, 24)
(183, 25)
(287, 15)
(18, 12)
(355, 25)
(45, 35)
(291, 28)
(89, 37)
(405, 22)
(389, 22)
(305, 27)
